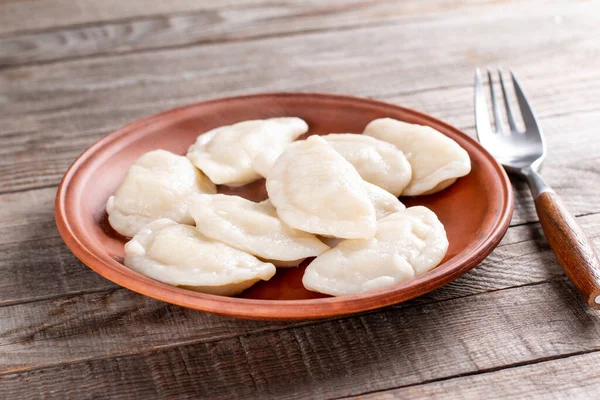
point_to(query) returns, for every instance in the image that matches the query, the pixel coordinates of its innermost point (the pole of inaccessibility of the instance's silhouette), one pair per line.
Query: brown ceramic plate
(476, 210)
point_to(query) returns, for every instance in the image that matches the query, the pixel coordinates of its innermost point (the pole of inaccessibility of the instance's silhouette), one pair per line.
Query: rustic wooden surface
(73, 70)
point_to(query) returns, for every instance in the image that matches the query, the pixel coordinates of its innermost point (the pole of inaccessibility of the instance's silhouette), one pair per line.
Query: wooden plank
(43, 268)
(53, 112)
(34, 261)
(336, 358)
(209, 25)
(36, 264)
(18, 16)
(80, 327)
(27, 216)
(574, 377)
(40, 161)
(362, 62)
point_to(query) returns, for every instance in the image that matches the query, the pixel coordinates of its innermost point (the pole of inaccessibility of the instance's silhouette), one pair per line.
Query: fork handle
(571, 246)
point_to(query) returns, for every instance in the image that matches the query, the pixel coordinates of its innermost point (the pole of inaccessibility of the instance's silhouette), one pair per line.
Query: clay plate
(476, 210)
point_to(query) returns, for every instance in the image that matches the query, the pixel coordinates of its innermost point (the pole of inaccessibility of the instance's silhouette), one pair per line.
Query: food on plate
(236, 154)
(315, 189)
(181, 256)
(156, 186)
(384, 202)
(406, 244)
(342, 187)
(254, 228)
(377, 162)
(436, 160)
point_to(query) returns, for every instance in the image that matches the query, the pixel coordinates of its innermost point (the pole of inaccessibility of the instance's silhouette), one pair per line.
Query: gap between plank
(480, 372)
(200, 43)
(57, 296)
(18, 371)
(374, 97)
(293, 324)
(12, 191)
(122, 20)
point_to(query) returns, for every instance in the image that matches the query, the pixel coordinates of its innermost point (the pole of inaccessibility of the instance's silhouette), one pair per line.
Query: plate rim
(282, 309)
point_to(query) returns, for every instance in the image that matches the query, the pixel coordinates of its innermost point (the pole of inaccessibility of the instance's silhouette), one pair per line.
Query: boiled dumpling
(252, 227)
(436, 160)
(407, 243)
(379, 163)
(181, 256)
(384, 202)
(229, 154)
(155, 186)
(314, 189)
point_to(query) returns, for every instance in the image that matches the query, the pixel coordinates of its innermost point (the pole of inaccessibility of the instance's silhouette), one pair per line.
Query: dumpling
(314, 189)
(384, 202)
(379, 163)
(181, 256)
(229, 154)
(254, 228)
(155, 186)
(436, 160)
(407, 243)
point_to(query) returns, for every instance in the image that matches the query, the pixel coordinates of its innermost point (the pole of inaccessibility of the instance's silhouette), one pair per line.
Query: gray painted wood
(574, 377)
(46, 292)
(514, 322)
(350, 356)
(64, 107)
(204, 23)
(36, 264)
(16, 16)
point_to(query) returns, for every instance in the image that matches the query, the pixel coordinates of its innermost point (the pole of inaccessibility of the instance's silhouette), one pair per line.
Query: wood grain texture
(340, 62)
(549, 380)
(36, 264)
(41, 157)
(65, 107)
(242, 21)
(117, 321)
(34, 261)
(18, 16)
(76, 335)
(570, 244)
(343, 357)
(72, 325)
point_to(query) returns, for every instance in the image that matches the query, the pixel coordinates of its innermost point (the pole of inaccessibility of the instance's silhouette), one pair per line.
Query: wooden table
(72, 71)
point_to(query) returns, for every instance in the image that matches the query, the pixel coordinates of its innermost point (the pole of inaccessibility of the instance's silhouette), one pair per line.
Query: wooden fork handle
(572, 247)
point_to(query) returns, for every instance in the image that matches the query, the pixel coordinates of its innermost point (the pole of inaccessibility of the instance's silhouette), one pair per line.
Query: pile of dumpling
(332, 197)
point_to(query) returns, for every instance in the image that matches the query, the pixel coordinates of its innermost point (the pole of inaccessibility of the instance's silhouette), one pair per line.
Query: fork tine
(509, 112)
(482, 119)
(526, 111)
(495, 106)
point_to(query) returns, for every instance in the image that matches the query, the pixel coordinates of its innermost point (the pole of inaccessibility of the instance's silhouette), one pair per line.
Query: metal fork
(522, 152)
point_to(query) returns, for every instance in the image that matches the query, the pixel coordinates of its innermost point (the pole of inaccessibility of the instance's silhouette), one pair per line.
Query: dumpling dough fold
(377, 162)
(252, 227)
(181, 256)
(436, 160)
(314, 189)
(384, 202)
(156, 186)
(407, 243)
(236, 154)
